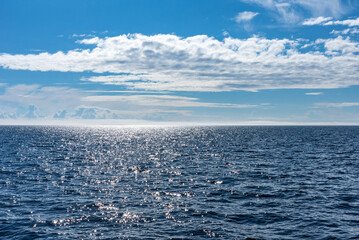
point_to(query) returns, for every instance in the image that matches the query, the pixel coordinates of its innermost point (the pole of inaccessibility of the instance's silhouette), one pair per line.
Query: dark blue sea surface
(179, 183)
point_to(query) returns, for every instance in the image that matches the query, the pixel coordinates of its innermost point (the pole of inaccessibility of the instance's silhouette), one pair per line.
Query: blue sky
(203, 61)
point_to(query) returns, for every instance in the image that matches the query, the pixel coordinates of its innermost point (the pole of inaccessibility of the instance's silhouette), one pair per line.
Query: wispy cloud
(292, 10)
(121, 91)
(245, 16)
(316, 21)
(37, 95)
(19, 99)
(328, 22)
(82, 35)
(162, 101)
(35, 102)
(202, 63)
(348, 22)
(337, 105)
(347, 31)
(314, 93)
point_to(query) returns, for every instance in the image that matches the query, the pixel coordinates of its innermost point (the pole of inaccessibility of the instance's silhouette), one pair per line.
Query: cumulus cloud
(7, 115)
(89, 41)
(341, 46)
(31, 112)
(95, 112)
(351, 31)
(201, 63)
(34, 101)
(245, 16)
(87, 112)
(60, 114)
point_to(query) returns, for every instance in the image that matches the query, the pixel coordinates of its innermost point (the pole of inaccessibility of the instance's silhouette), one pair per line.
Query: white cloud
(90, 112)
(94, 112)
(89, 41)
(334, 8)
(348, 22)
(350, 31)
(36, 102)
(291, 10)
(32, 113)
(314, 93)
(6, 115)
(316, 21)
(225, 33)
(341, 46)
(82, 35)
(202, 63)
(245, 16)
(337, 105)
(167, 82)
(162, 101)
(327, 21)
(24, 95)
(60, 114)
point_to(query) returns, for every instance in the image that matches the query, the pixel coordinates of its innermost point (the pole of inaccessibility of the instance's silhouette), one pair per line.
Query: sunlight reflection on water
(179, 182)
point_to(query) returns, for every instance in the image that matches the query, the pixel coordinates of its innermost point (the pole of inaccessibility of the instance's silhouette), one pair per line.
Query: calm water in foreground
(179, 183)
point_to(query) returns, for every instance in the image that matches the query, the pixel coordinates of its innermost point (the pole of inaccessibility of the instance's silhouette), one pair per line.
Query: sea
(221, 182)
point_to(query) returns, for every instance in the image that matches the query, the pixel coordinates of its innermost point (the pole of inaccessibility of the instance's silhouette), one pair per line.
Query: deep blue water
(179, 183)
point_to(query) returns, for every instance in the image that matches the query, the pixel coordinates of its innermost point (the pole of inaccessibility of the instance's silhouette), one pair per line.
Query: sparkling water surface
(179, 183)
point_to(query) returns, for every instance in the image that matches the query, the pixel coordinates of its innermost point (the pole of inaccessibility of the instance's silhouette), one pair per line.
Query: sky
(179, 61)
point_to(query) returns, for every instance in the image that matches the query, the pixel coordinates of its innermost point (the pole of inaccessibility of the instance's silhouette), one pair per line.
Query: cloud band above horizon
(201, 63)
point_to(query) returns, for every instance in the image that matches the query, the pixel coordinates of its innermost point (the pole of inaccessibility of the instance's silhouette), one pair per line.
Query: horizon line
(147, 123)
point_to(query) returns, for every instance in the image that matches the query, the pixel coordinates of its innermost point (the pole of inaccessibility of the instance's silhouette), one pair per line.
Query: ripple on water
(179, 183)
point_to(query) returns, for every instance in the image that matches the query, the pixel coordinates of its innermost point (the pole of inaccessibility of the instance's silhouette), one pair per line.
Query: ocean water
(179, 183)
